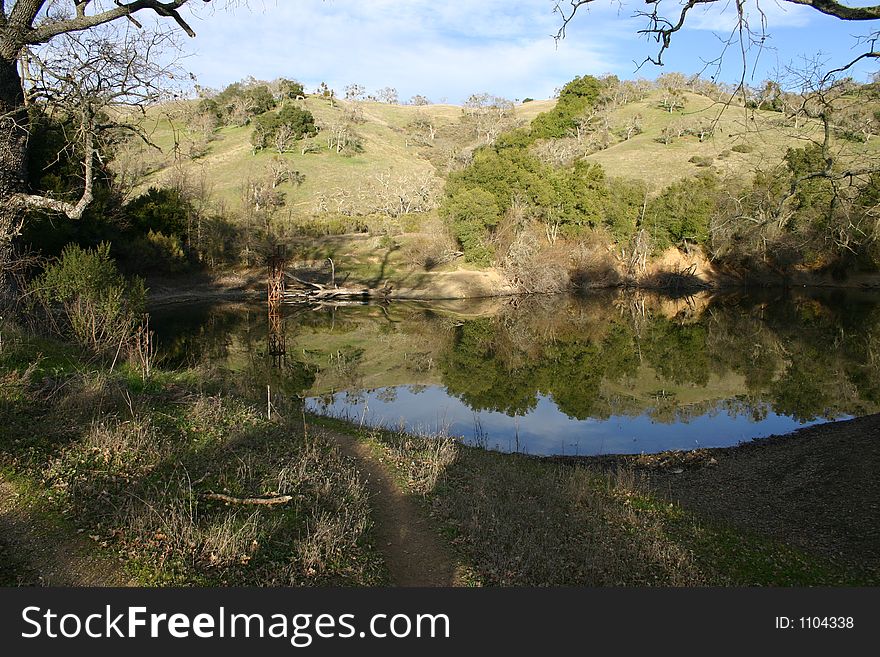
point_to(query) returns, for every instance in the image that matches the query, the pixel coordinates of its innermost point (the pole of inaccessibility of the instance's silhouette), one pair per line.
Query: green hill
(366, 187)
(229, 160)
(389, 149)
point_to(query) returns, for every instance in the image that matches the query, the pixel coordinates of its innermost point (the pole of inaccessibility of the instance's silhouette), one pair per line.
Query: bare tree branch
(661, 27)
(92, 77)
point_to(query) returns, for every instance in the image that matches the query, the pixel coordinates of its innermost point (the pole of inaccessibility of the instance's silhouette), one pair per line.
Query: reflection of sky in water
(546, 429)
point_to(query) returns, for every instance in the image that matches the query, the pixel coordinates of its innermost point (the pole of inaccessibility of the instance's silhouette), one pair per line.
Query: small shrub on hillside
(701, 160)
(282, 130)
(742, 148)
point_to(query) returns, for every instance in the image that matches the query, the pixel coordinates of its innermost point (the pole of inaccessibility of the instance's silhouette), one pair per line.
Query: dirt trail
(414, 554)
(52, 556)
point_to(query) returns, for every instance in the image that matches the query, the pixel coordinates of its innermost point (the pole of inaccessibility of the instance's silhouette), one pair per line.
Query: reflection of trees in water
(806, 357)
(190, 335)
(235, 337)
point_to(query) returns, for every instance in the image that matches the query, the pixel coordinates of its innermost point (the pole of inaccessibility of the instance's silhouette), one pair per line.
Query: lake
(609, 373)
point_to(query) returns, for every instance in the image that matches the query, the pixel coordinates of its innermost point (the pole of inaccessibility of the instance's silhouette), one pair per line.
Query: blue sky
(448, 50)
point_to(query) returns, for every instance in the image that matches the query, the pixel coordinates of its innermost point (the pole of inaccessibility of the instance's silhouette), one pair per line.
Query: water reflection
(610, 373)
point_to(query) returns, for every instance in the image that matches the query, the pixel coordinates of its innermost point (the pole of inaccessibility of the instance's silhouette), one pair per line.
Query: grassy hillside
(643, 157)
(373, 206)
(230, 161)
(388, 149)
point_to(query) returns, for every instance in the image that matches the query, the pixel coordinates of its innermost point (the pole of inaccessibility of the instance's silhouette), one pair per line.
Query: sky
(448, 50)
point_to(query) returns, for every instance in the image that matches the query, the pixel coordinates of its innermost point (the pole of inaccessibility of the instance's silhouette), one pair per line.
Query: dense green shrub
(623, 207)
(471, 213)
(156, 252)
(701, 160)
(290, 89)
(238, 103)
(160, 210)
(574, 98)
(295, 122)
(683, 212)
(567, 200)
(97, 307)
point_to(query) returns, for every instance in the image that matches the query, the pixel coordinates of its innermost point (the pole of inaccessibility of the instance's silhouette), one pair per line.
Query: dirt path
(414, 554)
(44, 555)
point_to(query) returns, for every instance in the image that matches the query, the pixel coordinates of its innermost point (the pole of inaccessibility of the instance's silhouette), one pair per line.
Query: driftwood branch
(308, 291)
(264, 501)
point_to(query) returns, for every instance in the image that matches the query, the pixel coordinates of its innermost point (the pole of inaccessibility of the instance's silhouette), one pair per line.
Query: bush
(701, 160)
(156, 252)
(97, 307)
(429, 250)
(742, 148)
(623, 208)
(472, 212)
(295, 122)
(164, 211)
(533, 269)
(575, 97)
(683, 211)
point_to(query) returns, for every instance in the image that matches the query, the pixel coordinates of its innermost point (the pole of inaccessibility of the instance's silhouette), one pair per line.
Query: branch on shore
(265, 501)
(309, 291)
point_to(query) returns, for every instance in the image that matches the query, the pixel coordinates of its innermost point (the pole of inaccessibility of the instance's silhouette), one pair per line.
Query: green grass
(130, 463)
(387, 150)
(519, 520)
(230, 160)
(644, 158)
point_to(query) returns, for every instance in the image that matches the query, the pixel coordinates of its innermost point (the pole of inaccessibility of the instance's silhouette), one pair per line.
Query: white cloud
(760, 14)
(436, 49)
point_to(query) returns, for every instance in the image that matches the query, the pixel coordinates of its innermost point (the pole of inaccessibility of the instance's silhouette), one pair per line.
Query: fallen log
(267, 501)
(309, 291)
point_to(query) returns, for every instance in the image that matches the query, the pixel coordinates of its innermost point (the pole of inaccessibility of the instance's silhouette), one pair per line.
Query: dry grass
(132, 467)
(421, 460)
(524, 521)
(763, 134)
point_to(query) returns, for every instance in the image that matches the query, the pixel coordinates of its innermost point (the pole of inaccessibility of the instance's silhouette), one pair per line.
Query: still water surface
(605, 374)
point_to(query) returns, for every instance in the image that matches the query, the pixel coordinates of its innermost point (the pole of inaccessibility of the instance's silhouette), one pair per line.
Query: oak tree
(29, 24)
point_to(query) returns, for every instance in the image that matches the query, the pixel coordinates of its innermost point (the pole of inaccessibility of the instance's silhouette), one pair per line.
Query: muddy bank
(204, 286)
(490, 283)
(817, 488)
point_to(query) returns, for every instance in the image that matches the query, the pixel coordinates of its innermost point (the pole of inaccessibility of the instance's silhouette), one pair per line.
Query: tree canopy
(28, 23)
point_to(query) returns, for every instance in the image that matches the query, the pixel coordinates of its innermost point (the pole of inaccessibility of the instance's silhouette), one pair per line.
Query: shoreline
(814, 490)
(167, 292)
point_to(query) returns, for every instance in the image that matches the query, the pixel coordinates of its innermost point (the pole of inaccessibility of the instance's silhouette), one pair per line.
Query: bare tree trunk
(13, 151)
